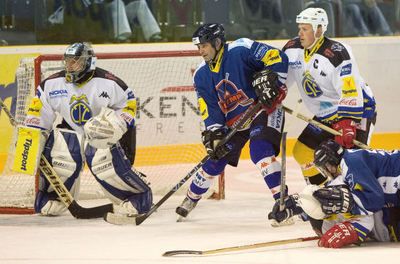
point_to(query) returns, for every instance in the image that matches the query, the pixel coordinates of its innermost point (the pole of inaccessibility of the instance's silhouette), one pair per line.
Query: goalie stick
(238, 248)
(322, 126)
(65, 196)
(243, 121)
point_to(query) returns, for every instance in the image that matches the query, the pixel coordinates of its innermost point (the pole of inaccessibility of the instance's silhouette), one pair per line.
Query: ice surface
(240, 219)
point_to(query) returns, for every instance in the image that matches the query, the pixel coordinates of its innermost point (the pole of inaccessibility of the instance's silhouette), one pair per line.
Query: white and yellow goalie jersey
(329, 81)
(78, 103)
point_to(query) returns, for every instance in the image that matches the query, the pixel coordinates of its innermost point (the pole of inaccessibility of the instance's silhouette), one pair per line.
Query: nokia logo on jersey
(58, 93)
(295, 64)
(105, 95)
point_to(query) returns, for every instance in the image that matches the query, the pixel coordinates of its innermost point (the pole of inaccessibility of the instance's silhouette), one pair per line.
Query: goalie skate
(125, 209)
(185, 208)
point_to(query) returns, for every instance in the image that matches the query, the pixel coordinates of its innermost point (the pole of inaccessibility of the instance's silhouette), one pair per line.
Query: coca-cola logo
(350, 102)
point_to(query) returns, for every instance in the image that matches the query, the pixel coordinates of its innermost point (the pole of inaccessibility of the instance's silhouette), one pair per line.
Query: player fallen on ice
(232, 78)
(97, 111)
(361, 200)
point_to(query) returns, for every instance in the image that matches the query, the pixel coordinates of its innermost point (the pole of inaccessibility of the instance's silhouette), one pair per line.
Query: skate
(185, 208)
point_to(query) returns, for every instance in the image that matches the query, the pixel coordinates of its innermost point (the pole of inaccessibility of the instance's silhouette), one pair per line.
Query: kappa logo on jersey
(230, 96)
(105, 95)
(310, 86)
(79, 109)
(58, 93)
(346, 70)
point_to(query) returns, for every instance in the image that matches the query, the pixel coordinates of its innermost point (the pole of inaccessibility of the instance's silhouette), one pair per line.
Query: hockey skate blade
(182, 252)
(117, 219)
(287, 222)
(180, 219)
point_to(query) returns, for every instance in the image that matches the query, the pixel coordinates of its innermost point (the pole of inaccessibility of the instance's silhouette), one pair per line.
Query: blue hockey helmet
(328, 153)
(79, 59)
(208, 33)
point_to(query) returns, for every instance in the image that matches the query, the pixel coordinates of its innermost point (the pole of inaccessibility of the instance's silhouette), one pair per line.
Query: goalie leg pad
(29, 146)
(120, 182)
(63, 151)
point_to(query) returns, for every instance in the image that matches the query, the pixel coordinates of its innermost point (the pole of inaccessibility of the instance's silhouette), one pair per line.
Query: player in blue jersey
(233, 77)
(361, 200)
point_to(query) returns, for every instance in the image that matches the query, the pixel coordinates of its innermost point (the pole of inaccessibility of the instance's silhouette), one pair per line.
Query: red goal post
(168, 121)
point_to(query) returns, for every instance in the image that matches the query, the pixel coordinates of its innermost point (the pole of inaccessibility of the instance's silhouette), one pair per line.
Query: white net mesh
(168, 123)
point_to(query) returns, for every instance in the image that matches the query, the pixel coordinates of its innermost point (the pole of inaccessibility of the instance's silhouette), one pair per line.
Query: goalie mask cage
(168, 122)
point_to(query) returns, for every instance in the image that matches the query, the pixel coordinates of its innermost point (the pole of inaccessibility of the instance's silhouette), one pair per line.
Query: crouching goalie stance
(97, 108)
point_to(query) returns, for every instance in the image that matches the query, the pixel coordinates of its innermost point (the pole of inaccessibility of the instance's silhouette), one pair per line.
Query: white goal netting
(168, 122)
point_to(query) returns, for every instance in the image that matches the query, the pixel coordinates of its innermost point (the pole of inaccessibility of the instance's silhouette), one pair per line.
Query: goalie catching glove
(105, 129)
(211, 140)
(268, 89)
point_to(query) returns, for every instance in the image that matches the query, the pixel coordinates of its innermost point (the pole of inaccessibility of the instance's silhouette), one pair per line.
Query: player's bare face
(332, 169)
(306, 35)
(73, 64)
(207, 51)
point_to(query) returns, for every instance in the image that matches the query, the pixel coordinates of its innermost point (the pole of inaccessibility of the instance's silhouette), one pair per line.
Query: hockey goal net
(168, 122)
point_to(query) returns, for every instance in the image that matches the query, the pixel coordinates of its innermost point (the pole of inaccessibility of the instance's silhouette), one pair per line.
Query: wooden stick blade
(181, 252)
(239, 248)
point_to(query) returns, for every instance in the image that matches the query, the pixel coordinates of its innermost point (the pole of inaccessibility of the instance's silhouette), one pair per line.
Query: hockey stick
(244, 120)
(238, 248)
(283, 173)
(322, 126)
(65, 196)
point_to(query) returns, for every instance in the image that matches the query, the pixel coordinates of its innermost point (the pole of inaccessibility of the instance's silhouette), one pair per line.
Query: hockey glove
(211, 140)
(348, 129)
(291, 208)
(335, 199)
(268, 89)
(338, 236)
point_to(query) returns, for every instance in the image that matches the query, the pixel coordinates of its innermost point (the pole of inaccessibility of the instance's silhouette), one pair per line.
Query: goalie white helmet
(105, 129)
(79, 59)
(314, 16)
